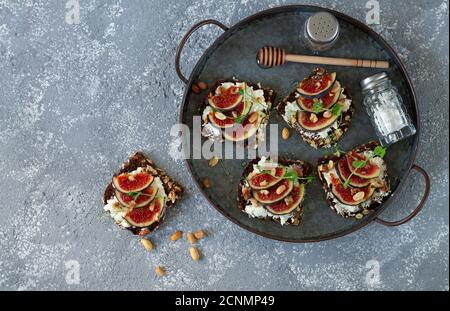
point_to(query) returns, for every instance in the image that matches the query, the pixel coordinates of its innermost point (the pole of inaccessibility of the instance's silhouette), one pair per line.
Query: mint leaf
(291, 175)
(240, 119)
(308, 179)
(359, 164)
(347, 183)
(317, 107)
(241, 91)
(336, 110)
(379, 151)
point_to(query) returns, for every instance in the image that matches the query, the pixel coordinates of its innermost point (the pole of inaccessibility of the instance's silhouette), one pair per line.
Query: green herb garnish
(357, 164)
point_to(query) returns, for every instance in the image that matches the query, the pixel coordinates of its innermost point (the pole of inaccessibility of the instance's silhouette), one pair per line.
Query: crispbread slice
(173, 190)
(361, 209)
(269, 96)
(318, 142)
(242, 202)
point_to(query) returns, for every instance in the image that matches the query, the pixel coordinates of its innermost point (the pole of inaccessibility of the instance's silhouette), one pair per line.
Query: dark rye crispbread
(333, 138)
(173, 190)
(335, 158)
(306, 168)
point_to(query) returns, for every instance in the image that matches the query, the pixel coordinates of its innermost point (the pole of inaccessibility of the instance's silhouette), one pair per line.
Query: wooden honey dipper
(270, 56)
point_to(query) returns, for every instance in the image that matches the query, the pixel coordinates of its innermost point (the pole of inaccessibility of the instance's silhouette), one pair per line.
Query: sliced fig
(369, 171)
(260, 181)
(345, 173)
(146, 215)
(220, 120)
(290, 202)
(228, 99)
(240, 132)
(349, 195)
(317, 83)
(274, 193)
(132, 182)
(137, 200)
(317, 123)
(327, 101)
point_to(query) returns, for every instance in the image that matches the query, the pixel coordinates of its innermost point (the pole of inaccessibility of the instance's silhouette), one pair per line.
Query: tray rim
(395, 58)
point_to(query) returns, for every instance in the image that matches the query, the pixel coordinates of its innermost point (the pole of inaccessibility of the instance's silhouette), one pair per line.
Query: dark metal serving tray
(233, 55)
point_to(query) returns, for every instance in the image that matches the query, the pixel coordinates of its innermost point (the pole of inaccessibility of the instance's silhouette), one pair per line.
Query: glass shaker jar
(386, 109)
(321, 31)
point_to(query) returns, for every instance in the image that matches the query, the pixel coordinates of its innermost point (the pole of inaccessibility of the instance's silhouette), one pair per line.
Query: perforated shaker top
(322, 27)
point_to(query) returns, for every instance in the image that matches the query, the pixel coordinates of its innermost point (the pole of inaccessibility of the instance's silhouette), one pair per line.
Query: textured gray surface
(78, 99)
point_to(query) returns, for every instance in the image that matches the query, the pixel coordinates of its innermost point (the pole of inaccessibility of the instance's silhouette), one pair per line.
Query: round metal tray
(233, 55)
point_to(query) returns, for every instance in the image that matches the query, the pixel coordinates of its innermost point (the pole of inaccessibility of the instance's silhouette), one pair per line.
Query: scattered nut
(195, 254)
(264, 192)
(366, 212)
(206, 182)
(330, 164)
(161, 271)
(313, 118)
(293, 120)
(202, 85)
(253, 117)
(148, 245)
(176, 235)
(195, 88)
(327, 114)
(213, 161)
(359, 216)
(191, 238)
(263, 183)
(359, 196)
(285, 133)
(199, 234)
(280, 189)
(220, 115)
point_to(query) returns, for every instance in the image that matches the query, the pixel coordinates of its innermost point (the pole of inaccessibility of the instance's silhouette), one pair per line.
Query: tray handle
(418, 208)
(186, 37)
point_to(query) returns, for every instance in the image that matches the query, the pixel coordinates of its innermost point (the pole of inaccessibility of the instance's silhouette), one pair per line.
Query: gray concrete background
(76, 100)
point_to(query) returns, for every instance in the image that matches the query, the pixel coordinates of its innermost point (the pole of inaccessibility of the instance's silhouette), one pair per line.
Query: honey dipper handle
(367, 63)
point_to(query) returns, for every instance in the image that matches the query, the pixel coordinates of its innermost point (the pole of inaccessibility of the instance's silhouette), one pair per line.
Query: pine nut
(195, 254)
(176, 235)
(191, 238)
(327, 114)
(148, 245)
(161, 271)
(280, 189)
(199, 234)
(202, 85)
(206, 182)
(313, 118)
(359, 196)
(195, 89)
(213, 161)
(253, 117)
(285, 133)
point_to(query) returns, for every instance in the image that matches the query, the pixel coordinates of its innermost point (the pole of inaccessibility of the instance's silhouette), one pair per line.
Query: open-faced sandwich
(355, 182)
(320, 109)
(237, 111)
(139, 194)
(274, 190)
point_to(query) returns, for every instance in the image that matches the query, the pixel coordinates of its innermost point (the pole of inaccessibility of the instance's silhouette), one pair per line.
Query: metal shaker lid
(372, 81)
(322, 27)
